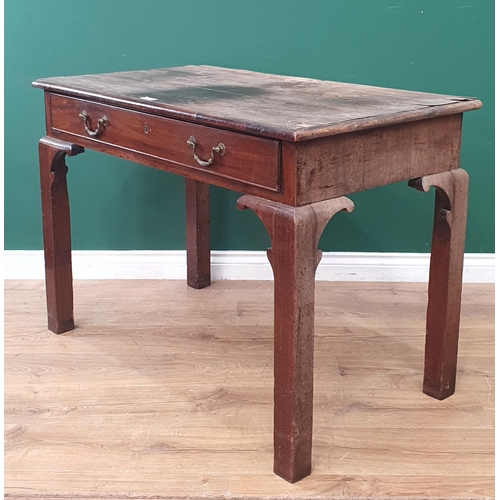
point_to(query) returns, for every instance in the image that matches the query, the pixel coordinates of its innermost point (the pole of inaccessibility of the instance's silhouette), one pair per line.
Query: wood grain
(445, 279)
(197, 233)
(280, 107)
(56, 232)
(294, 257)
(166, 139)
(343, 164)
(171, 396)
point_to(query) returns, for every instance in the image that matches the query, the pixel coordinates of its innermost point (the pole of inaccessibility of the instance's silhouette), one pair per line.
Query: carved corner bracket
(450, 187)
(309, 220)
(61, 149)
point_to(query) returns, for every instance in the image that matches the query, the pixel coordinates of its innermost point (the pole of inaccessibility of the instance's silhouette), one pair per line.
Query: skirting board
(242, 265)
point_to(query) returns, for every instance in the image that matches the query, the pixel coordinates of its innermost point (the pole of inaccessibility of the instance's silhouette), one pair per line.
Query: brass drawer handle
(101, 123)
(220, 149)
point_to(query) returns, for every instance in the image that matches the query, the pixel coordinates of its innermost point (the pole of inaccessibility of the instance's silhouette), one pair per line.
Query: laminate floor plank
(166, 392)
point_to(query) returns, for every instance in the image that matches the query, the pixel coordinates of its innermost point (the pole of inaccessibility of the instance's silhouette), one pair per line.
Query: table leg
(56, 232)
(294, 233)
(198, 233)
(445, 279)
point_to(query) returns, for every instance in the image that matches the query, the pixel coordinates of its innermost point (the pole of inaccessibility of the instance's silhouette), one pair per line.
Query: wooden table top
(280, 107)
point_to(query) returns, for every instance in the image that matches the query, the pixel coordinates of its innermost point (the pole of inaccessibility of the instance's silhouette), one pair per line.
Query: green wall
(443, 46)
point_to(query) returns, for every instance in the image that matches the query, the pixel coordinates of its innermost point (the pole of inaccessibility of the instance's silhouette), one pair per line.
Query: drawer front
(248, 159)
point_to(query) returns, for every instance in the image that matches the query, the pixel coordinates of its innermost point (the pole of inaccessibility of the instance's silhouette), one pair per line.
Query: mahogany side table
(295, 147)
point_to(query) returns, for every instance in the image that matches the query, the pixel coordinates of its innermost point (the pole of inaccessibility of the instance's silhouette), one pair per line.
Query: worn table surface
(280, 107)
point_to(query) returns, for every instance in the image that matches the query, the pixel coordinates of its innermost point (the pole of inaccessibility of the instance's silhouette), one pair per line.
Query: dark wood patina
(295, 147)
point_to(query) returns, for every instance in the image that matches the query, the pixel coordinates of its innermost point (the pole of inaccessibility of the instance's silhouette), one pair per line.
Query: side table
(295, 147)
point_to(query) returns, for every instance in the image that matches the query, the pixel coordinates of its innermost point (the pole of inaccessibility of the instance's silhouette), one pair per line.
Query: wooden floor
(166, 392)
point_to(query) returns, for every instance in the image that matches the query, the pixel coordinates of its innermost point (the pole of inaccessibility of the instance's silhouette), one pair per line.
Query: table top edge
(455, 106)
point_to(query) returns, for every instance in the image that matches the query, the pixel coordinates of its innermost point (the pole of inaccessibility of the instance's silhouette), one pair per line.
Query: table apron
(347, 163)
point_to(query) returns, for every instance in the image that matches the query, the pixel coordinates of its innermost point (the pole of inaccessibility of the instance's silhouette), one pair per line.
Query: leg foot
(445, 279)
(198, 233)
(56, 232)
(294, 233)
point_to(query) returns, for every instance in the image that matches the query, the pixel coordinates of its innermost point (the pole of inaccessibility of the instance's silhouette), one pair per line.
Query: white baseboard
(242, 265)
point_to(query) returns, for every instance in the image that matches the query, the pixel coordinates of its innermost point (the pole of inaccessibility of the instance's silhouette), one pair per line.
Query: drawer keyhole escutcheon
(146, 128)
(220, 149)
(101, 123)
